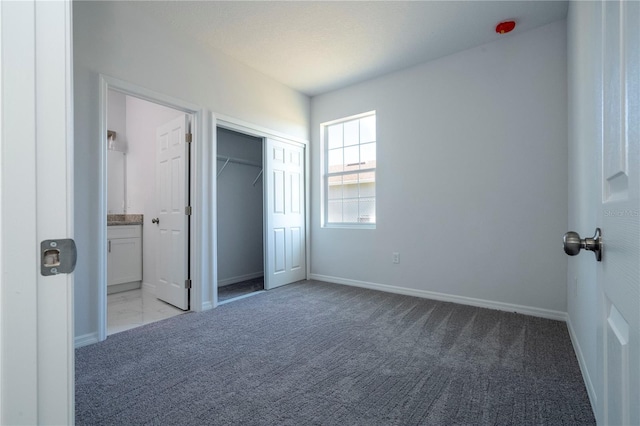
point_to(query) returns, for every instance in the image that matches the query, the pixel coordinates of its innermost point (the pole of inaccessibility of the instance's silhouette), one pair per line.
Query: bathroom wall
(117, 117)
(240, 212)
(116, 157)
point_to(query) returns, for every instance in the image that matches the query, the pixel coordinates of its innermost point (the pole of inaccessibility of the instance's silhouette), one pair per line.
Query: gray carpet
(240, 289)
(323, 354)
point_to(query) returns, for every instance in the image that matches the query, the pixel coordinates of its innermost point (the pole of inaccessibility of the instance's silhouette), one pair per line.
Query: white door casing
(36, 323)
(619, 271)
(285, 242)
(171, 185)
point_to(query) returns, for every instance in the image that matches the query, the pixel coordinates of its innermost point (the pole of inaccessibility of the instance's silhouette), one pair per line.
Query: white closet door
(285, 200)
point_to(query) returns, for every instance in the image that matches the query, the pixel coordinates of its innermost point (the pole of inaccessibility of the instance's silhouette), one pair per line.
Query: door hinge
(188, 137)
(187, 283)
(187, 210)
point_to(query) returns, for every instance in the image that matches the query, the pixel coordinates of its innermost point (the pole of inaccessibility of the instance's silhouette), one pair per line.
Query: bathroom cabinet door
(124, 254)
(124, 263)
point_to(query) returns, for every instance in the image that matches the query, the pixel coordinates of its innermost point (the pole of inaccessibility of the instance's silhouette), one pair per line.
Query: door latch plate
(57, 257)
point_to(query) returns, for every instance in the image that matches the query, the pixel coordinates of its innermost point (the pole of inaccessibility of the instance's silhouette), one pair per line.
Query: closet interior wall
(240, 207)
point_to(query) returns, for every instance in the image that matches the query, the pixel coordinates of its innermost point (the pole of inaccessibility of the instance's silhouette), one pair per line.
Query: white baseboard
(591, 390)
(239, 278)
(85, 340)
(501, 306)
(151, 288)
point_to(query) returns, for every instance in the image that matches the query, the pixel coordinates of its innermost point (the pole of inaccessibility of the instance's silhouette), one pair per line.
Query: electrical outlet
(396, 257)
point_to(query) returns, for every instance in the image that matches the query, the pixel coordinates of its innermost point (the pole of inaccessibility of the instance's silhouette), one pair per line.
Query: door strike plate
(57, 257)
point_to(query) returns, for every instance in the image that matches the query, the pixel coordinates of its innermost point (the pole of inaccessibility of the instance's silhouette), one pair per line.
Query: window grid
(350, 171)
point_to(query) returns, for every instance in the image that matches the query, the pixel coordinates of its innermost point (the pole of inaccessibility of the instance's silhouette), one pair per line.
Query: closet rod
(228, 160)
(238, 161)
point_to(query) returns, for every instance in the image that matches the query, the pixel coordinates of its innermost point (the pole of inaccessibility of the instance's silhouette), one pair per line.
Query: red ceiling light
(505, 27)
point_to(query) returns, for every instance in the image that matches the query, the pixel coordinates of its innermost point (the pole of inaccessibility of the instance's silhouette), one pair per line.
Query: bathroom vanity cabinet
(124, 257)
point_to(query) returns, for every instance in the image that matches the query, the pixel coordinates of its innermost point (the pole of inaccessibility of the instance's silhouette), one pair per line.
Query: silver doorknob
(155, 220)
(573, 243)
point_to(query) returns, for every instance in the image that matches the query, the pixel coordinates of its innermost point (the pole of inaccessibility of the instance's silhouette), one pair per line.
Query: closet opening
(240, 214)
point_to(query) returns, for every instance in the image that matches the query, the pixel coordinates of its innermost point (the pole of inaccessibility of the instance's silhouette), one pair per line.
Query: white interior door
(619, 273)
(285, 200)
(36, 199)
(171, 184)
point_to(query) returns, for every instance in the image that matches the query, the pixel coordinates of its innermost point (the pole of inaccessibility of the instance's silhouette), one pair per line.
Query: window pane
(367, 189)
(352, 157)
(351, 133)
(350, 211)
(368, 129)
(335, 160)
(367, 177)
(334, 211)
(368, 154)
(335, 188)
(335, 136)
(367, 207)
(350, 186)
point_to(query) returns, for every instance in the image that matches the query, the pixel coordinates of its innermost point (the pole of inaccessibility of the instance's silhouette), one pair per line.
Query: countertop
(124, 219)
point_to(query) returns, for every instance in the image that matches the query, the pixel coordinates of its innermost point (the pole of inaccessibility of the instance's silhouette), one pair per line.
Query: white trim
(101, 310)
(86, 340)
(241, 126)
(244, 296)
(213, 218)
(240, 278)
(307, 196)
(349, 118)
(151, 288)
(586, 377)
(481, 303)
(202, 232)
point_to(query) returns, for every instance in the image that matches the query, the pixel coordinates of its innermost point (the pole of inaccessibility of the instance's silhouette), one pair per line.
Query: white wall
(472, 180)
(115, 39)
(585, 119)
(240, 212)
(143, 118)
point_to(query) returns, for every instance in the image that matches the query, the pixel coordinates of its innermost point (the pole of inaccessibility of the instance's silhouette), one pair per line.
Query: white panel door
(285, 200)
(619, 271)
(171, 184)
(36, 200)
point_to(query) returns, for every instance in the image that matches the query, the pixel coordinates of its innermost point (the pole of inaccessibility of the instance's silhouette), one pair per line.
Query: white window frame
(324, 128)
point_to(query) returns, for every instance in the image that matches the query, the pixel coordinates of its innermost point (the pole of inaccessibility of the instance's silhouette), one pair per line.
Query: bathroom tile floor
(133, 308)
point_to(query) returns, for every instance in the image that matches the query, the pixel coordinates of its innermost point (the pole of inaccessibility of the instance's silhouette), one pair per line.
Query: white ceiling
(318, 46)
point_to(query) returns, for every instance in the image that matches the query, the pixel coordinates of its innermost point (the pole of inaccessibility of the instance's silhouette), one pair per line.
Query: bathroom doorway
(135, 206)
(240, 213)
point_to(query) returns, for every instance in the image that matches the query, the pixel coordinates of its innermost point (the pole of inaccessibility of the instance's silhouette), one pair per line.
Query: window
(350, 171)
